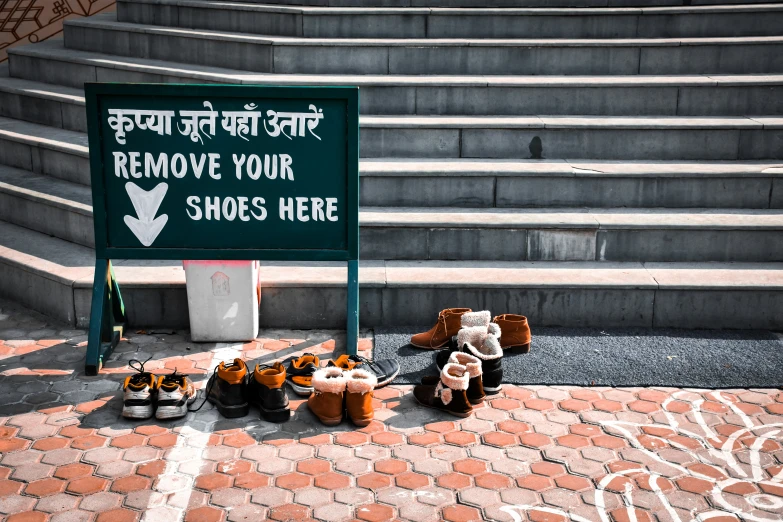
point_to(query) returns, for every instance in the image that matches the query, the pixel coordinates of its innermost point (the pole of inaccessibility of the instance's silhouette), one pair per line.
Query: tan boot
(358, 395)
(514, 332)
(326, 401)
(439, 335)
(449, 393)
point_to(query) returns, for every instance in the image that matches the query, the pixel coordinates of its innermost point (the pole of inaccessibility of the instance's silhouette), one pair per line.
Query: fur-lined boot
(449, 393)
(326, 401)
(480, 338)
(358, 395)
(475, 390)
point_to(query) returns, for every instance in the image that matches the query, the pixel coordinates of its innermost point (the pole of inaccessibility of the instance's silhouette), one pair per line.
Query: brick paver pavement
(532, 453)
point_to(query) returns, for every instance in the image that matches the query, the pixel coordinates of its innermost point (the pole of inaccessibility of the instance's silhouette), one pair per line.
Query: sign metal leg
(107, 317)
(352, 330)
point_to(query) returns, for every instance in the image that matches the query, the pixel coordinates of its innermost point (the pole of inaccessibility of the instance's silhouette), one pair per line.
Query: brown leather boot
(439, 335)
(449, 394)
(514, 332)
(326, 401)
(358, 395)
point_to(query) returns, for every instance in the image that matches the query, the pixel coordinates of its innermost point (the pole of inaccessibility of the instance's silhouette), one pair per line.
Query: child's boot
(358, 395)
(326, 401)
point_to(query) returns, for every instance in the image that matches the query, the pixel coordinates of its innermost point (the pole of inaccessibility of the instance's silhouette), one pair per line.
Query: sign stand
(107, 317)
(220, 172)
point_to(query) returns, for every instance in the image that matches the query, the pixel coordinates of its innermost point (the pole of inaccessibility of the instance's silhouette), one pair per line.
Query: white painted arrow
(146, 227)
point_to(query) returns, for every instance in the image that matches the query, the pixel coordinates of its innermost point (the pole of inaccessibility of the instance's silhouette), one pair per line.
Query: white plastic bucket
(223, 300)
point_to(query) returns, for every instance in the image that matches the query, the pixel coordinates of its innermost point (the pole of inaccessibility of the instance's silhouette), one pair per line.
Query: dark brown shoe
(514, 332)
(449, 323)
(450, 392)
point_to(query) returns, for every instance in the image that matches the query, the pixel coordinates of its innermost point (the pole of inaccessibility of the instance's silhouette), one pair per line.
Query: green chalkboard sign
(224, 172)
(221, 172)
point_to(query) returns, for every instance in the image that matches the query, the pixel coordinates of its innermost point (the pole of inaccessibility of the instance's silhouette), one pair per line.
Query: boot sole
(518, 348)
(231, 412)
(456, 414)
(331, 421)
(492, 391)
(281, 415)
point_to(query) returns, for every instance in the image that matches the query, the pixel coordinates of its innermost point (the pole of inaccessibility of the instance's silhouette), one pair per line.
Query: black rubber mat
(619, 357)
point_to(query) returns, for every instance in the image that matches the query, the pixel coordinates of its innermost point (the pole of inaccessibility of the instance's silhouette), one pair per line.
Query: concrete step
(62, 209)
(594, 137)
(64, 155)
(59, 153)
(279, 54)
(577, 137)
(426, 22)
(55, 277)
(683, 95)
(503, 3)
(468, 183)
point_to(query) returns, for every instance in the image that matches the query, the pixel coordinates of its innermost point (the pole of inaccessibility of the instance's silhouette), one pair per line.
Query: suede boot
(266, 390)
(515, 330)
(475, 390)
(326, 401)
(358, 395)
(448, 325)
(226, 389)
(450, 392)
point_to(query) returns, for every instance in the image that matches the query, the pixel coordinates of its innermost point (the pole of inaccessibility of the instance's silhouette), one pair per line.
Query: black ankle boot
(227, 389)
(266, 390)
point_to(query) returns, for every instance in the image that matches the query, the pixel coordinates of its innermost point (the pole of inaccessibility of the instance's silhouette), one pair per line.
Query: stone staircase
(595, 164)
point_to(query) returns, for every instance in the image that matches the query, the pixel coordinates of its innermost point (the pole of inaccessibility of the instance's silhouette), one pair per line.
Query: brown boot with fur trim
(449, 394)
(439, 335)
(475, 391)
(358, 395)
(326, 401)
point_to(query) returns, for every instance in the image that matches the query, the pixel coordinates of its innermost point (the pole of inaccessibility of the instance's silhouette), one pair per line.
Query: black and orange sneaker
(138, 392)
(300, 373)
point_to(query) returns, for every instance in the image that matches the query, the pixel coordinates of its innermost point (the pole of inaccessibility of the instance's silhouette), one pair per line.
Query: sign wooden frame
(108, 316)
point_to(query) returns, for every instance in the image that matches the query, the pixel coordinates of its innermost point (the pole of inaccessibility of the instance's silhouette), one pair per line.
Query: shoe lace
(174, 378)
(211, 383)
(141, 377)
(360, 360)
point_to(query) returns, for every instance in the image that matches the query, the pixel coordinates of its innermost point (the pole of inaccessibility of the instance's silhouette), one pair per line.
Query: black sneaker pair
(384, 370)
(231, 389)
(301, 369)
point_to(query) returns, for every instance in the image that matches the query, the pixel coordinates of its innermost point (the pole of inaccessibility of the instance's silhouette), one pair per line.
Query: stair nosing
(102, 22)
(571, 218)
(479, 11)
(54, 50)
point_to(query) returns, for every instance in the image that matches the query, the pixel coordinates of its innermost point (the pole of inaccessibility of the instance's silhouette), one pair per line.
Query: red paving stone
(553, 449)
